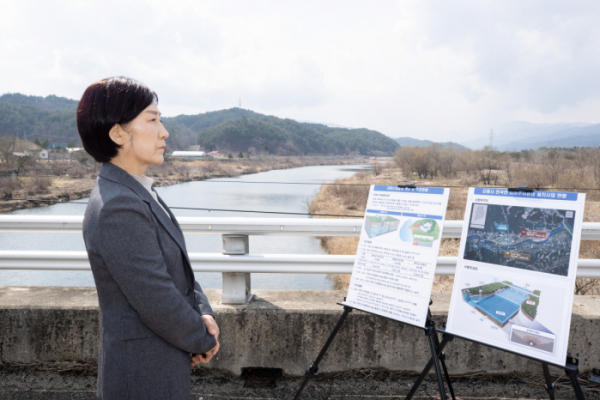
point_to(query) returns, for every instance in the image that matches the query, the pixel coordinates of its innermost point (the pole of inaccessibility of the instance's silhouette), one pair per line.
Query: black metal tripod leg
(440, 348)
(447, 375)
(436, 364)
(549, 384)
(314, 368)
(575, 383)
(441, 355)
(443, 362)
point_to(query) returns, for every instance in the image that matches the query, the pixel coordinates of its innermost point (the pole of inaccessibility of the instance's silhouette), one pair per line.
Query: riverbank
(35, 191)
(350, 198)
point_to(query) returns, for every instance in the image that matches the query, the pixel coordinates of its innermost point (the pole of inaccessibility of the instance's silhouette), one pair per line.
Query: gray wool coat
(150, 303)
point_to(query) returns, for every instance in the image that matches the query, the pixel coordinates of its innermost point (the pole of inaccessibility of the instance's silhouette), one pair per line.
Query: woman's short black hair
(110, 101)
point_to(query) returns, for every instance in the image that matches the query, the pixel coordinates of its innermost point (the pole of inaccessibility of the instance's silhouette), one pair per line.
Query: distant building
(195, 154)
(43, 154)
(23, 148)
(216, 154)
(59, 155)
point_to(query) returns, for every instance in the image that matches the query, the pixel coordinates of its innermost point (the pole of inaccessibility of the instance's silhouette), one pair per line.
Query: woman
(153, 314)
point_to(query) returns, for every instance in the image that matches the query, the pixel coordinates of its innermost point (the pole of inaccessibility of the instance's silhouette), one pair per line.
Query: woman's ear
(117, 134)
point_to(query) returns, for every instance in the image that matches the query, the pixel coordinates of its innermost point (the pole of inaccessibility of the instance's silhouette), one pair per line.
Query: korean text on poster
(397, 252)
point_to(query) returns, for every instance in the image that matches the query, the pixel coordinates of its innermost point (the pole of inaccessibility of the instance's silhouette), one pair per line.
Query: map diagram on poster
(397, 252)
(516, 271)
(535, 239)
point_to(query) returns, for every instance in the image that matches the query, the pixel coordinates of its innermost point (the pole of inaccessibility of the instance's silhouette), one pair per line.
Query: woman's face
(145, 145)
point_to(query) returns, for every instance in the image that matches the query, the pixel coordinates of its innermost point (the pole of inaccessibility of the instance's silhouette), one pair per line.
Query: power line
(292, 183)
(205, 209)
(265, 212)
(387, 184)
(358, 184)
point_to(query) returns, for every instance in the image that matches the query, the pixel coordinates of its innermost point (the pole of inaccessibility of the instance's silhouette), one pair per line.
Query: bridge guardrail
(236, 264)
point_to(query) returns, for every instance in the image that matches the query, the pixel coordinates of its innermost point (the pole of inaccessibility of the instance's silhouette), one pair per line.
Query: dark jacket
(150, 303)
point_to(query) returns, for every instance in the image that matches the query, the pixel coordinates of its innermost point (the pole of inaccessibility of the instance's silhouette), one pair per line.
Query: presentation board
(516, 271)
(397, 252)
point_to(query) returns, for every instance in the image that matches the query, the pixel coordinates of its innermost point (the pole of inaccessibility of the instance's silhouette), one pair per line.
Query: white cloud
(404, 68)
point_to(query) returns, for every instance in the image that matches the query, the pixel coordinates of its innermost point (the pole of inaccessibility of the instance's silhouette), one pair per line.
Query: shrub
(8, 187)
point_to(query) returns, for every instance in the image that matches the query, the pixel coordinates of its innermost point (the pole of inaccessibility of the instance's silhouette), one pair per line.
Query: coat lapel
(112, 172)
(173, 222)
(172, 226)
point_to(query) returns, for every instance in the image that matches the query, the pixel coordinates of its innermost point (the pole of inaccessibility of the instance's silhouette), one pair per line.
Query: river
(223, 193)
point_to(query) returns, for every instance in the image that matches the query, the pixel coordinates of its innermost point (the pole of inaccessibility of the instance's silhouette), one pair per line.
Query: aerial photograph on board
(535, 239)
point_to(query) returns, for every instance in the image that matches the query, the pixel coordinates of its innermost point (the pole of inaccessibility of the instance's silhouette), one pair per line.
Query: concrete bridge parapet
(278, 329)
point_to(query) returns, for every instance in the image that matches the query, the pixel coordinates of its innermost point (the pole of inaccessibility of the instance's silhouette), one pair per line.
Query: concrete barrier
(279, 329)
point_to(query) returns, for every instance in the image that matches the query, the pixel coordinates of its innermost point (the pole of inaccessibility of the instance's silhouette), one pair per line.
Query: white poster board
(397, 252)
(516, 270)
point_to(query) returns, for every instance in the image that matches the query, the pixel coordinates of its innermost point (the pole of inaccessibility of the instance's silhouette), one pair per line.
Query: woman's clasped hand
(213, 329)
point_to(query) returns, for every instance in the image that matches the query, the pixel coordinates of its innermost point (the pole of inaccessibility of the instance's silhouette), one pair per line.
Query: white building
(195, 154)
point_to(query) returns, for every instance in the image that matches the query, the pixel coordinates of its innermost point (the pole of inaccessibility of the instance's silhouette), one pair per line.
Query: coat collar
(116, 174)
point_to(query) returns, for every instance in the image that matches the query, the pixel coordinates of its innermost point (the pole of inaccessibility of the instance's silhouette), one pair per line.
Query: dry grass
(352, 200)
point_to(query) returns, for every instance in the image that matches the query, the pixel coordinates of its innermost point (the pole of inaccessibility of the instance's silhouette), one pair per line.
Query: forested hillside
(50, 103)
(240, 130)
(235, 130)
(49, 117)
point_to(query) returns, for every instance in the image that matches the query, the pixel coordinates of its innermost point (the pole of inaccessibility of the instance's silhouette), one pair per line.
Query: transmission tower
(491, 138)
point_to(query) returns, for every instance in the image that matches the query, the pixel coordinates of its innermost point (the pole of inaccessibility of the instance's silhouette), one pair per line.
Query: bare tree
(404, 158)
(7, 149)
(447, 161)
(582, 160)
(422, 162)
(506, 164)
(466, 161)
(554, 163)
(377, 168)
(487, 166)
(434, 154)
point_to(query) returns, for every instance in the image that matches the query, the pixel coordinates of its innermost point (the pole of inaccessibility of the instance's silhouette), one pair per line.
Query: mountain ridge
(54, 117)
(521, 135)
(408, 141)
(285, 136)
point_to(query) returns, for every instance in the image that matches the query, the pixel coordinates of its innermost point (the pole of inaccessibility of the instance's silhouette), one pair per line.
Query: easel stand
(437, 351)
(437, 356)
(572, 370)
(571, 367)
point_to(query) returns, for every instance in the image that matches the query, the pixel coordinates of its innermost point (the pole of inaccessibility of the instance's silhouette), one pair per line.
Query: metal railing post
(237, 288)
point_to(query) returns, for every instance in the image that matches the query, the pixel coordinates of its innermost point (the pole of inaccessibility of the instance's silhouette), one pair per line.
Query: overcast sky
(440, 70)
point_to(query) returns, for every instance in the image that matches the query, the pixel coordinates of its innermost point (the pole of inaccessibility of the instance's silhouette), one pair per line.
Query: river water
(222, 193)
